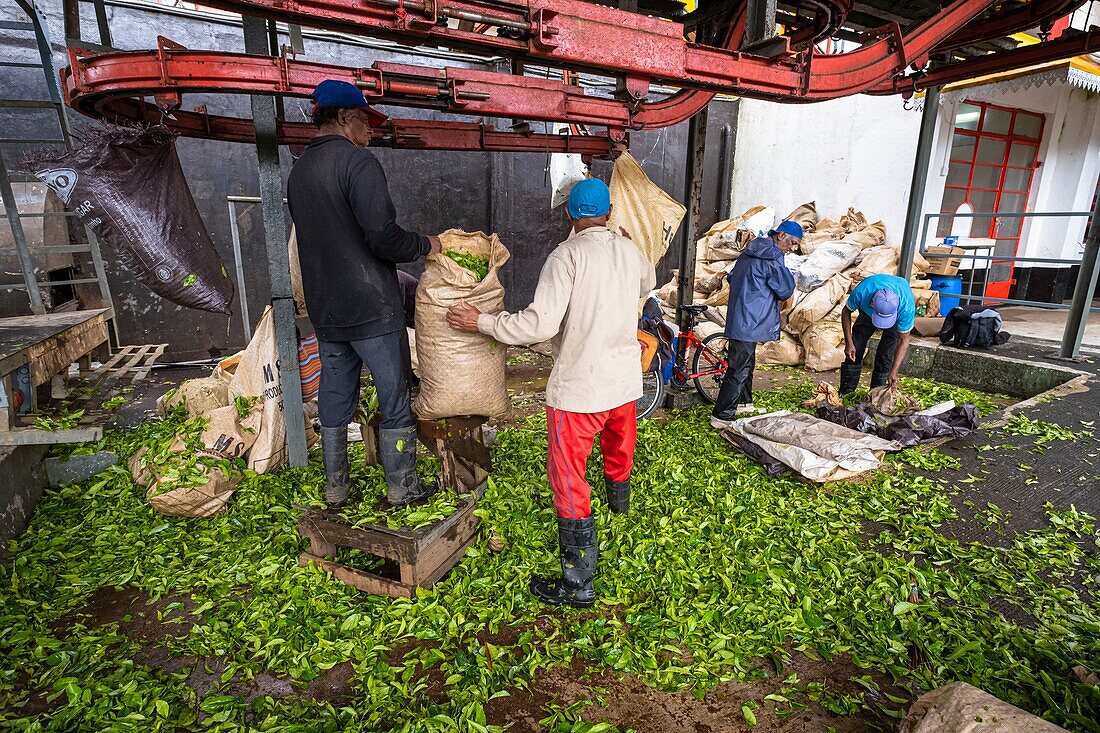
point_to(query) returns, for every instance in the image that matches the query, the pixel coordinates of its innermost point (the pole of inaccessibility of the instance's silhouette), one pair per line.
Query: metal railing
(1071, 341)
(238, 262)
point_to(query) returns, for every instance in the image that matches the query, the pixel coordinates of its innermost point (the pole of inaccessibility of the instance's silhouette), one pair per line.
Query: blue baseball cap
(342, 94)
(884, 309)
(589, 198)
(788, 227)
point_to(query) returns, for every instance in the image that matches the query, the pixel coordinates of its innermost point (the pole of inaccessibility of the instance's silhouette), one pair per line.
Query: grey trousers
(388, 360)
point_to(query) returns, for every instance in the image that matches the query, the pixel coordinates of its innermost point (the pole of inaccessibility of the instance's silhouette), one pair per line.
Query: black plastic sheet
(127, 185)
(909, 430)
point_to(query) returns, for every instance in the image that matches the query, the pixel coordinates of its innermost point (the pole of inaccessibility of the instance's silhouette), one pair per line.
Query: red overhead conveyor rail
(566, 34)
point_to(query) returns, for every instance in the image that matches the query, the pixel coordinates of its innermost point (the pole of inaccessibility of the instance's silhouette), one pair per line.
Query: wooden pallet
(421, 557)
(129, 363)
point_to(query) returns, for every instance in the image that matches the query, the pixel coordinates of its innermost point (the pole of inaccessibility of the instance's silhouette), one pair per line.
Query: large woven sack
(883, 260)
(296, 275)
(784, 352)
(199, 396)
(826, 261)
(871, 235)
(818, 303)
(460, 373)
(876, 260)
(667, 293)
(127, 184)
(649, 215)
(727, 239)
(228, 435)
(805, 215)
(721, 296)
(824, 343)
(892, 402)
(256, 378)
(709, 276)
(205, 500)
(853, 220)
(962, 708)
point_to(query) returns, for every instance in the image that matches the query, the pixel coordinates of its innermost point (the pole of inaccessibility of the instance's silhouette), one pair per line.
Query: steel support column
(909, 243)
(725, 172)
(1086, 286)
(693, 189)
(278, 261)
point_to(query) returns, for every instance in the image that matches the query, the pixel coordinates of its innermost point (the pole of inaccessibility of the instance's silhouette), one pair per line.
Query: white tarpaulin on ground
(814, 448)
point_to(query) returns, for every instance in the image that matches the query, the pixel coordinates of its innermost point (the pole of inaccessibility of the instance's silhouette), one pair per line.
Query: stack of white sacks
(834, 257)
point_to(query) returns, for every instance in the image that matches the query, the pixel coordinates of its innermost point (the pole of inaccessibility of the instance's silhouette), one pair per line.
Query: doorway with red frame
(994, 155)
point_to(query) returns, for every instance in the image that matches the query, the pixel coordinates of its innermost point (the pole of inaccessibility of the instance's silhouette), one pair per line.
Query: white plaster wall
(857, 151)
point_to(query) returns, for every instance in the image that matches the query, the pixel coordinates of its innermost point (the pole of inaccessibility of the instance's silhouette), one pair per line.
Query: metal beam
(278, 260)
(760, 21)
(573, 34)
(909, 243)
(1083, 292)
(693, 190)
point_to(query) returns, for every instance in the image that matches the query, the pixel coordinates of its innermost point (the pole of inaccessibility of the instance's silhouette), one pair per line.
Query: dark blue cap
(589, 198)
(333, 93)
(792, 228)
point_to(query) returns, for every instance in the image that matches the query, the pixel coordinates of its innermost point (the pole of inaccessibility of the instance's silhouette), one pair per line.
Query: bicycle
(708, 358)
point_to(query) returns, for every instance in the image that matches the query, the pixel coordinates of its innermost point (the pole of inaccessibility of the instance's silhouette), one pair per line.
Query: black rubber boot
(578, 548)
(618, 495)
(334, 452)
(398, 454)
(849, 377)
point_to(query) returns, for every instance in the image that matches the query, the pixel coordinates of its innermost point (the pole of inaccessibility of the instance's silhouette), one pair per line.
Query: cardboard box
(944, 261)
(927, 302)
(927, 326)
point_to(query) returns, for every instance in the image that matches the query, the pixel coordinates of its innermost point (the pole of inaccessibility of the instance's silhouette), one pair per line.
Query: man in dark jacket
(348, 245)
(758, 282)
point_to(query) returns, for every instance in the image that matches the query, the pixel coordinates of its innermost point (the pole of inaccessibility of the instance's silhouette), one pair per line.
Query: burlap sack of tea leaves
(891, 402)
(460, 373)
(196, 478)
(181, 488)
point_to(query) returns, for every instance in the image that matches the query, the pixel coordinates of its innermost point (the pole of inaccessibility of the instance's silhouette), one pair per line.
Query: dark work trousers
(737, 382)
(387, 358)
(862, 331)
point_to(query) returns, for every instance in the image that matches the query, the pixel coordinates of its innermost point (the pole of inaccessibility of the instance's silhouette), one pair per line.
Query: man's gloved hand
(463, 317)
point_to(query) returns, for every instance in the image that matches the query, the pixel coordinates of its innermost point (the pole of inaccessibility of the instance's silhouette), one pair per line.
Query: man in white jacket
(586, 302)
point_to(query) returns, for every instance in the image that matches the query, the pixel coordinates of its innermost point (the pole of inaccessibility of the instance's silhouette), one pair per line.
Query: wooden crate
(417, 558)
(422, 556)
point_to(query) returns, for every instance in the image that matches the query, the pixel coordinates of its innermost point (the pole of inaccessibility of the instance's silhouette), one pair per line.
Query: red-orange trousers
(571, 435)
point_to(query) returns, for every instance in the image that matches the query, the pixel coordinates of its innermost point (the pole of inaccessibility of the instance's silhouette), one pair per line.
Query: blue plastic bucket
(947, 286)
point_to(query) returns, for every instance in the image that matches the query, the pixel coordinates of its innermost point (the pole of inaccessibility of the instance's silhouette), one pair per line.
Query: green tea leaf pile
(477, 265)
(717, 567)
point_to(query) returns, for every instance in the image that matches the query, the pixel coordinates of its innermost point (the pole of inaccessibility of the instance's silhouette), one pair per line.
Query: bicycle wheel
(709, 363)
(653, 394)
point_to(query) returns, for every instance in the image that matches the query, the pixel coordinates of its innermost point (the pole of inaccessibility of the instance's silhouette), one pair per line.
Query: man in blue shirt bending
(884, 302)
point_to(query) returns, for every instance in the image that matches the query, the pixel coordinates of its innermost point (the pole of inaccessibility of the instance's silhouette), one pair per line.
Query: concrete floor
(1046, 324)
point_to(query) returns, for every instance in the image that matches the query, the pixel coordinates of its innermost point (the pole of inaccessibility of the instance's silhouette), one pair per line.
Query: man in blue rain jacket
(758, 283)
